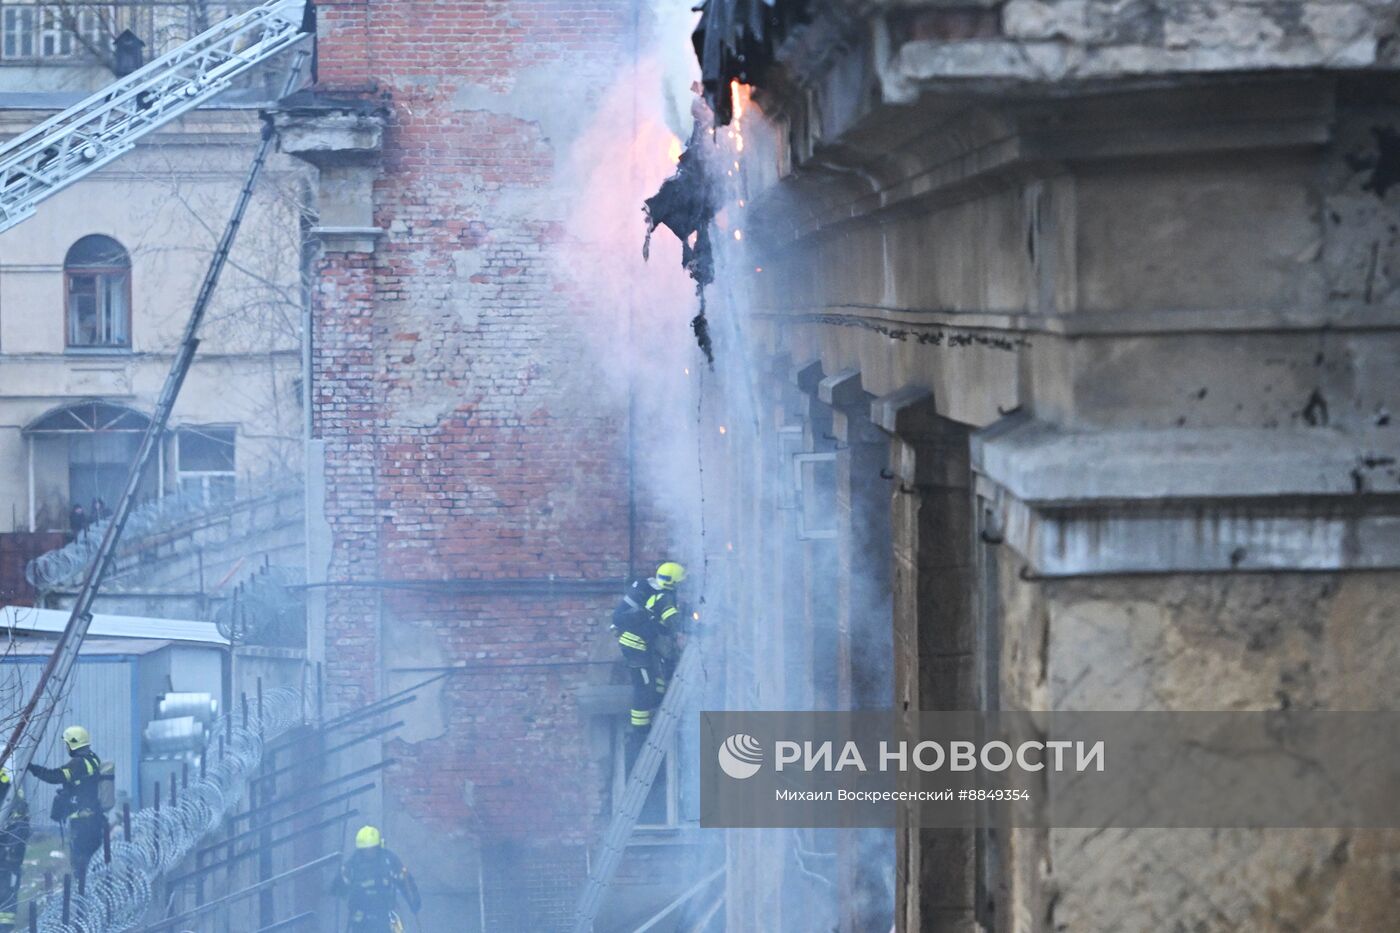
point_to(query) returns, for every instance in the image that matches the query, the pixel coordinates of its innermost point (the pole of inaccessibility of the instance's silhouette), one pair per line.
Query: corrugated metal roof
(52, 621)
(92, 647)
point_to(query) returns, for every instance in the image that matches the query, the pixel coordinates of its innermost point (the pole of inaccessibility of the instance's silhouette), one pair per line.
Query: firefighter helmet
(368, 838)
(76, 737)
(670, 574)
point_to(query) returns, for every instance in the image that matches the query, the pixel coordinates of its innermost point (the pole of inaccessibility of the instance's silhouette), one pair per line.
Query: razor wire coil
(118, 893)
(67, 565)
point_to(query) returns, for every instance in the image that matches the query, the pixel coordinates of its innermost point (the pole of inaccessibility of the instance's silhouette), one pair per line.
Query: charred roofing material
(686, 205)
(737, 40)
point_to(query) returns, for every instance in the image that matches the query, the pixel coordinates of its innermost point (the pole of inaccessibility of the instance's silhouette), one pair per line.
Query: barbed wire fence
(66, 566)
(118, 892)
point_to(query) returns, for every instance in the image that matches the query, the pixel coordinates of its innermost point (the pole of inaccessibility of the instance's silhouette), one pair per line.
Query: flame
(738, 234)
(673, 150)
(739, 95)
(695, 616)
(723, 429)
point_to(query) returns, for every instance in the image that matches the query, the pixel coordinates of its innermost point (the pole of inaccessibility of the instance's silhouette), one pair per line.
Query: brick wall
(16, 550)
(463, 439)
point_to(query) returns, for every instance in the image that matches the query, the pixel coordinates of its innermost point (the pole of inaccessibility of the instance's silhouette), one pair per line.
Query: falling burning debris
(686, 204)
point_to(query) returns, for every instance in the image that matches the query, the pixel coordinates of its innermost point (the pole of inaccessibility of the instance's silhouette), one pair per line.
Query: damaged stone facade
(1095, 306)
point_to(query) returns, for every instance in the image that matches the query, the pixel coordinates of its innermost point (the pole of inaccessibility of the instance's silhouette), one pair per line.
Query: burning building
(1054, 369)
(1072, 328)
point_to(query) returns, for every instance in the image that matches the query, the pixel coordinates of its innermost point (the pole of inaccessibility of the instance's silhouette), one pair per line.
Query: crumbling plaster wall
(1247, 642)
(1059, 40)
(1140, 224)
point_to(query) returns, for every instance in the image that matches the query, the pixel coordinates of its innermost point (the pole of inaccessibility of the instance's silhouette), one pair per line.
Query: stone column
(934, 578)
(342, 138)
(864, 632)
(815, 510)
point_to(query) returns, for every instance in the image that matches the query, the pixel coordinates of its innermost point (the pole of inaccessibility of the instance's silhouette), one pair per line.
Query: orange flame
(673, 150)
(739, 95)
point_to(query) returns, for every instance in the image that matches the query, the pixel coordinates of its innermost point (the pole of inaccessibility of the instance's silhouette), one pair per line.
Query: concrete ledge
(1040, 463)
(348, 239)
(807, 376)
(1121, 502)
(907, 411)
(1203, 537)
(842, 389)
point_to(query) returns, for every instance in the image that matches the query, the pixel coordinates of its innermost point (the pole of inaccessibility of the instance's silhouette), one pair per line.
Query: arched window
(97, 283)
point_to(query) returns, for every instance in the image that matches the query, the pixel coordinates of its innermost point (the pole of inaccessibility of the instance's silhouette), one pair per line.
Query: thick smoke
(707, 464)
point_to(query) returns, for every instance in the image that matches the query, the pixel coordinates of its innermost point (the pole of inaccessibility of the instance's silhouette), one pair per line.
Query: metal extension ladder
(93, 132)
(624, 821)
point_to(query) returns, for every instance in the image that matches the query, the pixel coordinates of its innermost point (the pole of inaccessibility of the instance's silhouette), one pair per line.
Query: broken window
(205, 463)
(97, 276)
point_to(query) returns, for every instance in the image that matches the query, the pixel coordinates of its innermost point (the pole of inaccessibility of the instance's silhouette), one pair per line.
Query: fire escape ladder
(608, 856)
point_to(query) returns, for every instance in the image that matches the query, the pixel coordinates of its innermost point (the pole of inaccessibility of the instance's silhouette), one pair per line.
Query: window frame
(671, 777)
(103, 276)
(45, 29)
(15, 12)
(206, 477)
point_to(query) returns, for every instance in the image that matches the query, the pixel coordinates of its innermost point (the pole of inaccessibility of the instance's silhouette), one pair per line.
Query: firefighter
(647, 620)
(14, 839)
(77, 802)
(372, 879)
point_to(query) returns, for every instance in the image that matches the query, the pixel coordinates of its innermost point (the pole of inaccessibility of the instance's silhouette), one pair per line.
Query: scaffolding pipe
(370, 769)
(240, 894)
(676, 904)
(338, 798)
(290, 922)
(363, 737)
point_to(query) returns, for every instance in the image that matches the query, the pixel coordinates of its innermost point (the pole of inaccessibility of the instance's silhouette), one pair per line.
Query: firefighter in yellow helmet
(14, 839)
(372, 879)
(647, 620)
(78, 802)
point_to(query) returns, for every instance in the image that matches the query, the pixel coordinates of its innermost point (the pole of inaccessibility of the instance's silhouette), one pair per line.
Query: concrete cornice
(955, 144)
(1104, 323)
(1185, 501)
(1044, 464)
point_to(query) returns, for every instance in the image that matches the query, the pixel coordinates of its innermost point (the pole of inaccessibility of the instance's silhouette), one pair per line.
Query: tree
(90, 29)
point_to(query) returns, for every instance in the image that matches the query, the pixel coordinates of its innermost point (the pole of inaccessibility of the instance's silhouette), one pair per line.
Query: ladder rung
(639, 782)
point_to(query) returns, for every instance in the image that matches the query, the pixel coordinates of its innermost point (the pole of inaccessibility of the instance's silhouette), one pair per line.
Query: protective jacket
(78, 794)
(14, 838)
(646, 619)
(371, 879)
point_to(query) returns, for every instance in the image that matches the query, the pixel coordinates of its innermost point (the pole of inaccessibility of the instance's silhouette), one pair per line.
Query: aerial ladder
(72, 145)
(609, 854)
(93, 132)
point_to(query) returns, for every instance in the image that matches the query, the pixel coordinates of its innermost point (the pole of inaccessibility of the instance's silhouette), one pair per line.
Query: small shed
(126, 664)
